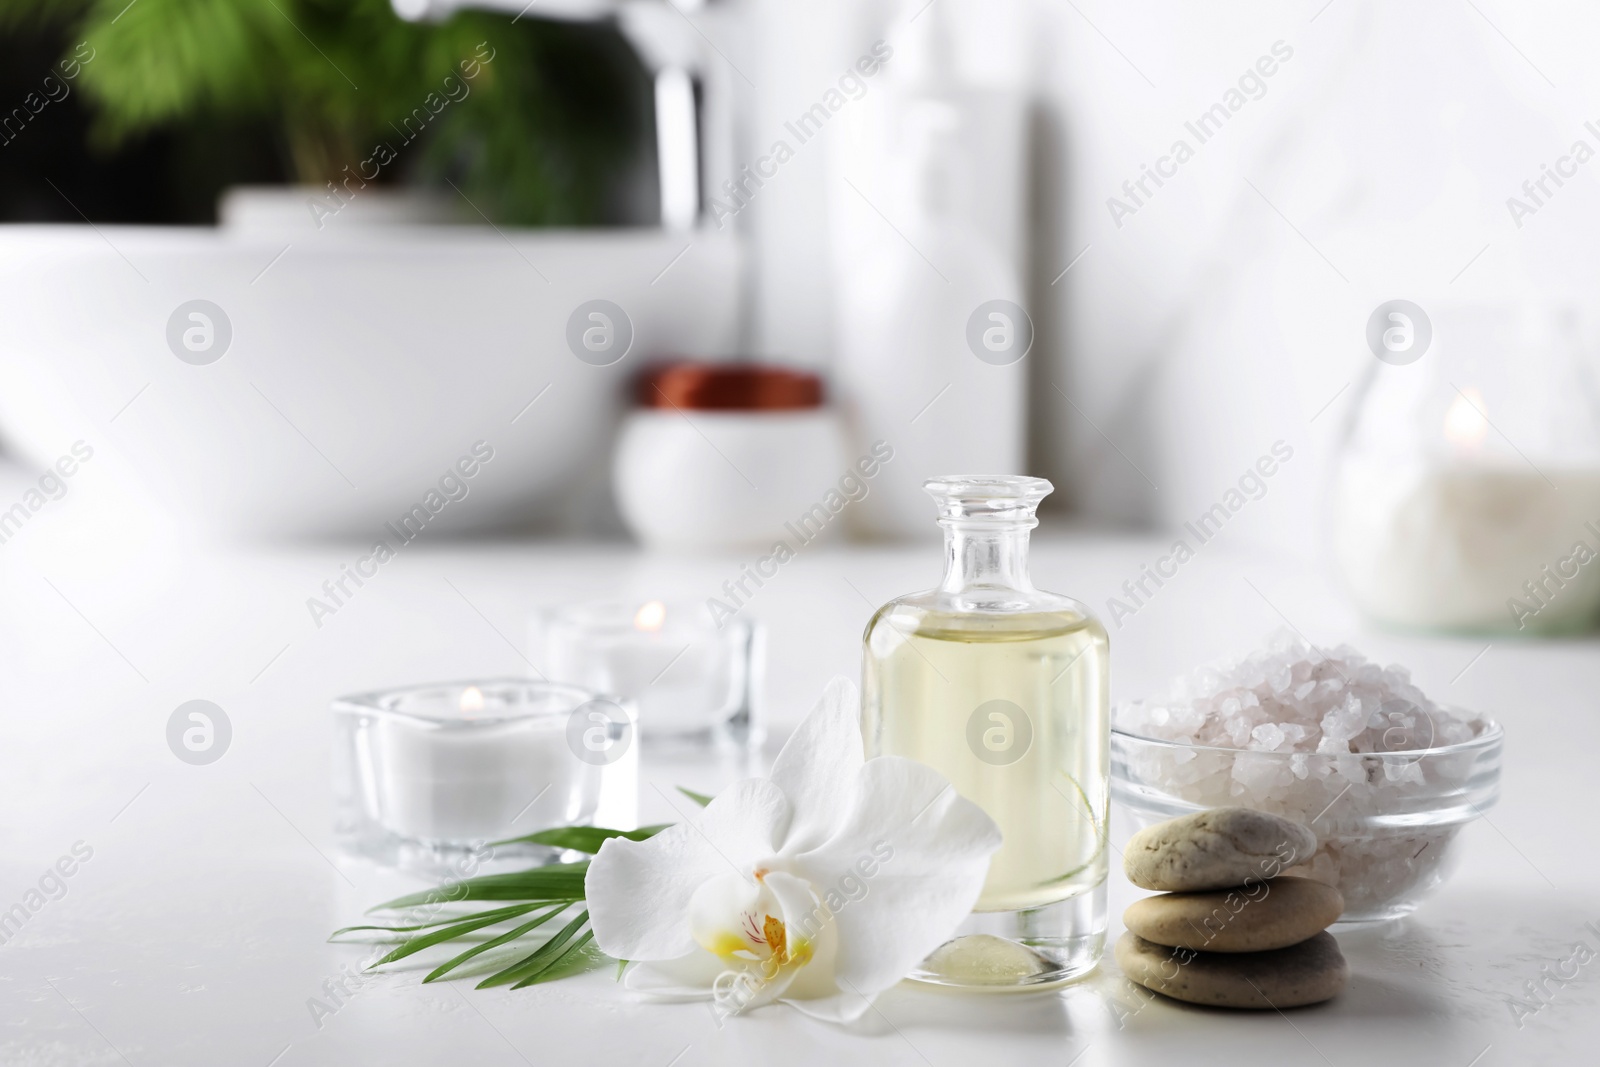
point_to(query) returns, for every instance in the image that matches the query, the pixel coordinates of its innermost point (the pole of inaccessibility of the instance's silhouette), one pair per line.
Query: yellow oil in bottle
(1012, 709)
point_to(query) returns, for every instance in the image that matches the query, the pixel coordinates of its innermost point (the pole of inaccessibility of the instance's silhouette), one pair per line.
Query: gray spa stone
(1215, 849)
(1252, 918)
(1307, 973)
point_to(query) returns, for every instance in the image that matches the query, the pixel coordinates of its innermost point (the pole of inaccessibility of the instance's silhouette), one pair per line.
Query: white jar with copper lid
(737, 455)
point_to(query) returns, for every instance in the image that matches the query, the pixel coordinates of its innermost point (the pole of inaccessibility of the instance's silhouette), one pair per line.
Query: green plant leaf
(699, 798)
(541, 958)
(563, 881)
(505, 938)
(582, 838)
(31, 14)
(447, 933)
(549, 890)
(508, 913)
(550, 969)
(536, 120)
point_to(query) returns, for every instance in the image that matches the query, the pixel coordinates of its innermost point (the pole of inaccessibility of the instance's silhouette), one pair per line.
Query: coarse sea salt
(1329, 713)
(1290, 697)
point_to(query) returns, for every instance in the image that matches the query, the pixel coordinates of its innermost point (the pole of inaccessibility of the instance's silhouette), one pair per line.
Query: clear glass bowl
(1386, 822)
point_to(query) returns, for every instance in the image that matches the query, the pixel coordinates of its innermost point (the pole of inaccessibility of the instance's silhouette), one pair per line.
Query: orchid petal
(817, 767)
(687, 978)
(753, 986)
(812, 939)
(735, 985)
(901, 872)
(638, 892)
(800, 909)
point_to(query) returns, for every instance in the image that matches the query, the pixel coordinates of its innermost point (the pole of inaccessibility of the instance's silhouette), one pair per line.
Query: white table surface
(196, 933)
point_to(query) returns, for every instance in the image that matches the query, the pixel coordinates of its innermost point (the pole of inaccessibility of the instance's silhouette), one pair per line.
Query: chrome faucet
(673, 50)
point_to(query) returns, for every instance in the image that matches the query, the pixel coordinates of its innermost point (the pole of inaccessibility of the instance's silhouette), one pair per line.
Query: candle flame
(650, 617)
(471, 700)
(1465, 424)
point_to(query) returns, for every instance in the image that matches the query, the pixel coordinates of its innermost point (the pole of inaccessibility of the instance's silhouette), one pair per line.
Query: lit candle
(1463, 539)
(461, 764)
(689, 678)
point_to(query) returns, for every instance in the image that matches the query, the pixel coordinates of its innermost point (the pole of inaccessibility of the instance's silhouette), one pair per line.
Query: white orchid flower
(820, 886)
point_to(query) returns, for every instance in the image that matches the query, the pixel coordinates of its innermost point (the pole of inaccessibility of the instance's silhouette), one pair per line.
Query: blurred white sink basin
(361, 367)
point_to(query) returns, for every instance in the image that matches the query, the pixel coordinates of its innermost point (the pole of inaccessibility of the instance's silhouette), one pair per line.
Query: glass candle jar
(694, 681)
(427, 774)
(1466, 495)
(1003, 688)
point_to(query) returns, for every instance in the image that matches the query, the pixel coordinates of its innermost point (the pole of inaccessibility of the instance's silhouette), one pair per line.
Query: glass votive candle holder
(427, 774)
(695, 681)
(1467, 481)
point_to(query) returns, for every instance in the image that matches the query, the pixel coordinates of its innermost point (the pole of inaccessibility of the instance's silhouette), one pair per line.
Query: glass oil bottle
(1002, 688)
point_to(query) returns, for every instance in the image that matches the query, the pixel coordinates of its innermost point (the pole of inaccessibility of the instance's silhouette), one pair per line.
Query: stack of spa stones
(1227, 930)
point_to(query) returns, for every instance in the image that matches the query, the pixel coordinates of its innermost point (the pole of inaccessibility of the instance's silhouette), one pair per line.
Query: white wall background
(1230, 309)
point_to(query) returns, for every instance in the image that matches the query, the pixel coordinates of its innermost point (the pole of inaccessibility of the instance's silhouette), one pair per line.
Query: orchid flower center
(741, 919)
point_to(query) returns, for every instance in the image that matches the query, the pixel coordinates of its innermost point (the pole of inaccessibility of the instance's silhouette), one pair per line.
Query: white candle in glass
(684, 673)
(1451, 540)
(465, 763)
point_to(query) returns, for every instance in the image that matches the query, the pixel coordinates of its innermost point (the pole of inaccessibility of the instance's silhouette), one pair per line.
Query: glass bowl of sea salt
(1385, 777)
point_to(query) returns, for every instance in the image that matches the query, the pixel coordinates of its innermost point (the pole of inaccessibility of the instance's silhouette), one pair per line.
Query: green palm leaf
(582, 838)
(699, 798)
(504, 939)
(562, 881)
(506, 913)
(542, 958)
(553, 888)
(550, 969)
(448, 933)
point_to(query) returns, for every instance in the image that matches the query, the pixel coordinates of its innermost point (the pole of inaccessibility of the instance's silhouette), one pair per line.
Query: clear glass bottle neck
(987, 556)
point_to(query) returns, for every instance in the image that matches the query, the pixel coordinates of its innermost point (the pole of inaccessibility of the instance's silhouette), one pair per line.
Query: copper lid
(728, 387)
